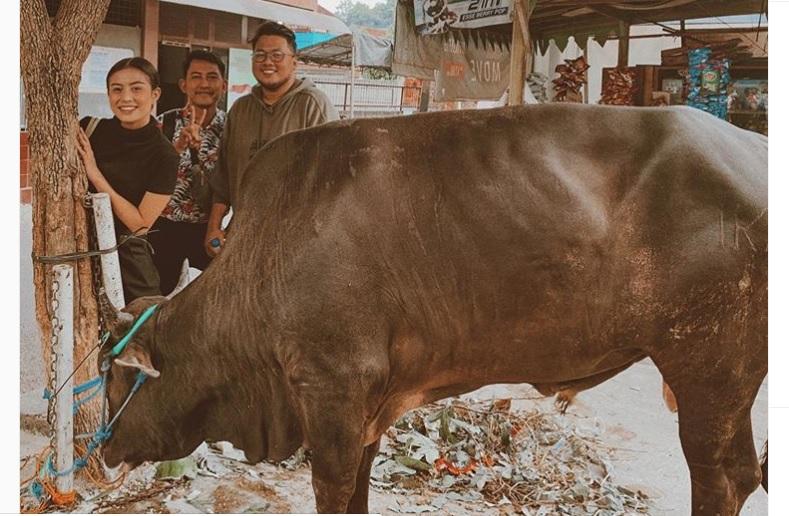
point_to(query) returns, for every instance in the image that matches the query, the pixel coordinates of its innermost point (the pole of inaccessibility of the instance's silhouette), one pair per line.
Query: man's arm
(320, 110)
(218, 180)
(214, 230)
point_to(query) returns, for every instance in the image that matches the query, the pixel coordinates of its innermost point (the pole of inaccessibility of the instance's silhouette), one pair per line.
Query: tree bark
(52, 54)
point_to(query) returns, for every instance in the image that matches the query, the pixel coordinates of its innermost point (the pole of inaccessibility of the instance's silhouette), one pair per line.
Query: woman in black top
(128, 158)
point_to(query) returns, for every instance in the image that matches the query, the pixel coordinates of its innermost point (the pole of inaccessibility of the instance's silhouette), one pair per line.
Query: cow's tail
(763, 461)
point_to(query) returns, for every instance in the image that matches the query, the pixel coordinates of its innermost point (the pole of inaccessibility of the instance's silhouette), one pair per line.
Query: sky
(332, 4)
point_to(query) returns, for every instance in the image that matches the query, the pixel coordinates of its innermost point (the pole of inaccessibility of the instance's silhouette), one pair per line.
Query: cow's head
(146, 427)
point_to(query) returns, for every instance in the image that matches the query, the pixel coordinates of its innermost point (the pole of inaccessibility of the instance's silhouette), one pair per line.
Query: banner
(438, 16)
(464, 64)
(472, 70)
(96, 66)
(239, 74)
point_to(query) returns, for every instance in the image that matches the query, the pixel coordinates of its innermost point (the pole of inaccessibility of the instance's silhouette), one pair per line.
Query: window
(121, 12)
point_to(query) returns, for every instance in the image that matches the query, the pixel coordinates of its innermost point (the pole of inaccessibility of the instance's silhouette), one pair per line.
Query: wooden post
(520, 52)
(682, 33)
(63, 308)
(353, 72)
(150, 31)
(624, 45)
(586, 73)
(424, 96)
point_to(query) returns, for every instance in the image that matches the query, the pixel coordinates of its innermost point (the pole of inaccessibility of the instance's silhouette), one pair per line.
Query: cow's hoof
(563, 400)
(668, 398)
(763, 461)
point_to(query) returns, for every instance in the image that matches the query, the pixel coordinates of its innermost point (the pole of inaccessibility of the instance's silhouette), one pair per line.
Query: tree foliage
(359, 15)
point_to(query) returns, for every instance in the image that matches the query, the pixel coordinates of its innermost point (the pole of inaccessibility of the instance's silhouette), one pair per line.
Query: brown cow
(377, 265)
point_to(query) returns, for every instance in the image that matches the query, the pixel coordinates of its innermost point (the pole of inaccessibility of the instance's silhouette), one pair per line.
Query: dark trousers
(138, 273)
(172, 243)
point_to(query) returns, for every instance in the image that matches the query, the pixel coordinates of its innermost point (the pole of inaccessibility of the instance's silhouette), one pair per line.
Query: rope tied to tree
(72, 257)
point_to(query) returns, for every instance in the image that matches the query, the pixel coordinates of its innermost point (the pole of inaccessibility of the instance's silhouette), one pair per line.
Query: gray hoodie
(251, 124)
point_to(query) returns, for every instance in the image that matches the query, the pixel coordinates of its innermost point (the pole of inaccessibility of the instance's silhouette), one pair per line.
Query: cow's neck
(236, 393)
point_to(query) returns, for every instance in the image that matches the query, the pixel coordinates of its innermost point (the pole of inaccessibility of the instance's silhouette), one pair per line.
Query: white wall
(94, 103)
(31, 363)
(642, 52)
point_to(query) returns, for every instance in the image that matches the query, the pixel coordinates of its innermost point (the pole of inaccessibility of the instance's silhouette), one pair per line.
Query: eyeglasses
(276, 56)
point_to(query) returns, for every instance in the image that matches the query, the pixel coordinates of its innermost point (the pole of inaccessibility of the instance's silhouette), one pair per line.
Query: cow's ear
(135, 356)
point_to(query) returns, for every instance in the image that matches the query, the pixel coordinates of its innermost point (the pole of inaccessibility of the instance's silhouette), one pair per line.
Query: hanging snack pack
(620, 87)
(537, 84)
(708, 82)
(572, 76)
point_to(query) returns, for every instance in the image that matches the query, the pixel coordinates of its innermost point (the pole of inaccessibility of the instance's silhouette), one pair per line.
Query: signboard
(438, 16)
(239, 74)
(95, 68)
(471, 70)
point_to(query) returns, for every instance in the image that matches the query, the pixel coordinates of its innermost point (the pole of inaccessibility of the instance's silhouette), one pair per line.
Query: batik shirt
(182, 206)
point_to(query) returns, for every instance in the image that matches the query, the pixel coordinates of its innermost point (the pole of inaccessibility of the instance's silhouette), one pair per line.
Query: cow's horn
(183, 281)
(112, 316)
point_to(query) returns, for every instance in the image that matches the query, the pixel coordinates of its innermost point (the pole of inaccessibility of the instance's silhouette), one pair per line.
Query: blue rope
(90, 383)
(78, 403)
(96, 383)
(36, 489)
(79, 389)
(99, 436)
(105, 430)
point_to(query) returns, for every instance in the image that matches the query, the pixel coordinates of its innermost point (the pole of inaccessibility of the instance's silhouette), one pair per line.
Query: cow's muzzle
(111, 475)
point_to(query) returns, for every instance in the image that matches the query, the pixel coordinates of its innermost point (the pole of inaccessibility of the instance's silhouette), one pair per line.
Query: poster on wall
(239, 74)
(93, 85)
(96, 66)
(438, 16)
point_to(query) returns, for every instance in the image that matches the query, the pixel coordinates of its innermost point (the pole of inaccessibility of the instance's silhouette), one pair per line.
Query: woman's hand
(85, 152)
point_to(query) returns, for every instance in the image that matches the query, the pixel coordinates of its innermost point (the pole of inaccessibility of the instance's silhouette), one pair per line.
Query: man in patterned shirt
(195, 131)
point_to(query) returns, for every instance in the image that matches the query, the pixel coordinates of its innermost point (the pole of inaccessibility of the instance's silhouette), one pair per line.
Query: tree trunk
(52, 54)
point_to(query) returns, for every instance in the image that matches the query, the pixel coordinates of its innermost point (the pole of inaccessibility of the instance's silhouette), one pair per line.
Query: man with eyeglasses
(278, 104)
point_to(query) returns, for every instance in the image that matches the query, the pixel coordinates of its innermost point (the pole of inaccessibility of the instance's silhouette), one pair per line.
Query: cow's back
(581, 160)
(526, 230)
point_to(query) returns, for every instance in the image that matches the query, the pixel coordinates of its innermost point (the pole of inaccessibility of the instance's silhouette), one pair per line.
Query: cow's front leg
(334, 477)
(358, 503)
(334, 432)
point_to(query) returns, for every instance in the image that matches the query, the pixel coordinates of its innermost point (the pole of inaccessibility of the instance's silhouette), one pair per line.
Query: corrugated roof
(272, 11)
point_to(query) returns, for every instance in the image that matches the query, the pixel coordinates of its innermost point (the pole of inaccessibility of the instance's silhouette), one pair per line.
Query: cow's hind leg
(717, 439)
(763, 461)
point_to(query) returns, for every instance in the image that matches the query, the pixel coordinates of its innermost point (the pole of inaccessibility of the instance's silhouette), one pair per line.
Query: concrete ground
(630, 412)
(627, 412)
